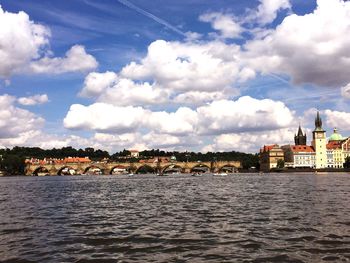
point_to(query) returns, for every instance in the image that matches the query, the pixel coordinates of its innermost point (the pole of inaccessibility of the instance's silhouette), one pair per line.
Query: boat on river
(220, 174)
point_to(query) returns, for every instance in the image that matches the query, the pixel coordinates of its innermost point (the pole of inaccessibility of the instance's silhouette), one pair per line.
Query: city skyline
(190, 75)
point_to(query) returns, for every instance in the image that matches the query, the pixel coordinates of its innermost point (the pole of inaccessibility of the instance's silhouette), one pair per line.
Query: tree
(13, 164)
(280, 163)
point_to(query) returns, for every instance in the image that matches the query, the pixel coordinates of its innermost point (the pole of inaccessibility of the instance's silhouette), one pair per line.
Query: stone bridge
(157, 167)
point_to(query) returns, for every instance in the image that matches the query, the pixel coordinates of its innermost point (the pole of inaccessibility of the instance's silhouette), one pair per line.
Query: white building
(299, 156)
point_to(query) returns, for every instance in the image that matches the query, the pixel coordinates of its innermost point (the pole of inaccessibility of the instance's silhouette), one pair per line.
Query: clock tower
(319, 144)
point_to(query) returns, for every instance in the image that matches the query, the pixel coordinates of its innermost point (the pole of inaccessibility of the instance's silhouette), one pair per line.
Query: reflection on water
(238, 218)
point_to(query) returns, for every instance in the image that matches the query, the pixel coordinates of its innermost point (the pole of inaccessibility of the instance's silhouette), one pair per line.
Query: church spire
(300, 138)
(318, 122)
(300, 132)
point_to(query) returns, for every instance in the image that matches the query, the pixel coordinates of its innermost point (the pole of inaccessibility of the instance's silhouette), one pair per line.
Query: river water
(179, 218)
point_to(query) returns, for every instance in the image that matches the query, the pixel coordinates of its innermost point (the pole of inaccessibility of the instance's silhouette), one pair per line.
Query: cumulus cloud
(251, 141)
(109, 88)
(339, 119)
(172, 72)
(225, 116)
(224, 23)
(33, 100)
(102, 117)
(21, 41)
(312, 48)
(182, 67)
(244, 114)
(181, 122)
(15, 121)
(96, 83)
(24, 47)
(268, 9)
(75, 60)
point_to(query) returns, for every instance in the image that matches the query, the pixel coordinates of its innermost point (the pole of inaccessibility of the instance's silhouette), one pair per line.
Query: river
(179, 218)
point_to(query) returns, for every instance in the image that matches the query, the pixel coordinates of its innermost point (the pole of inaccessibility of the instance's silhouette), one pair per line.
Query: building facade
(338, 149)
(269, 157)
(299, 156)
(321, 154)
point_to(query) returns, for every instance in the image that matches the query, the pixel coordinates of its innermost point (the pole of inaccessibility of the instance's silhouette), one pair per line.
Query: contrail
(278, 77)
(151, 16)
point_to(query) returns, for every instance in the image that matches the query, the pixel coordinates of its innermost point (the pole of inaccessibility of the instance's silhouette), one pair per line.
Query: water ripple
(241, 218)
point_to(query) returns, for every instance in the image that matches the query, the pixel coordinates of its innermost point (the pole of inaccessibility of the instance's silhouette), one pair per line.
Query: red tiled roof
(76, 160)
(267, 148)
(333, 145)
(302, 148)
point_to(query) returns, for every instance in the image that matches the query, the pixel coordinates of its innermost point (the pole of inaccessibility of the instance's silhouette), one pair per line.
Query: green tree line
(248, 160)
(12, 160)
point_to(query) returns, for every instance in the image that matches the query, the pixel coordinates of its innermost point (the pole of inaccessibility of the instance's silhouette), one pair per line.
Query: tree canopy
(12, 160)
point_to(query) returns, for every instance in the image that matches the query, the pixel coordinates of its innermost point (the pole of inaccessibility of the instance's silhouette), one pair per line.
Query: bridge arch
(172, 168)
(66, 170)
(200, 168)
(227, 168)
(145, 169)
(93, 169)
(119, 168)
(41, 170)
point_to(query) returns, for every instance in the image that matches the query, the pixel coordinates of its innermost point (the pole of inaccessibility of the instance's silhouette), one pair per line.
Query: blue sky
(183, 75)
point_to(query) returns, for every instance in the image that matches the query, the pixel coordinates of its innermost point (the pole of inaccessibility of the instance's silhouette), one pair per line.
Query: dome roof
(335, 136)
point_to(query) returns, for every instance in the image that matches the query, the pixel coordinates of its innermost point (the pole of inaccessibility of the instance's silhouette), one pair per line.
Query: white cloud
(109, 88)
(219, 117)
(102, 117)
(244, 114)
(182, 67)
(312, 48)
(339, 119)
(250, 141)
(33, 100)
(75, 60)
(198, 98)
(96, 83)
(182, 122)
(192, 36)
(24, 47)
(127, 92)
(172, 72)
(21, 41)
(345, 91)
(161, 140)
(268, 9)
(15, 121)
(113, 142)
(224, 23)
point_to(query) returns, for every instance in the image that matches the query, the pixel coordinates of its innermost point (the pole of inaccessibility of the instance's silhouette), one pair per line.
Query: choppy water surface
(239, 218)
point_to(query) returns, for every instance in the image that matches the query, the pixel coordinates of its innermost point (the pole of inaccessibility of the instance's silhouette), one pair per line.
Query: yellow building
(269, 157)
(338, 148)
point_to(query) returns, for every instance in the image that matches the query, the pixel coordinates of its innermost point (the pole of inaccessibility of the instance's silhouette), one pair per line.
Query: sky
(195, 75)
